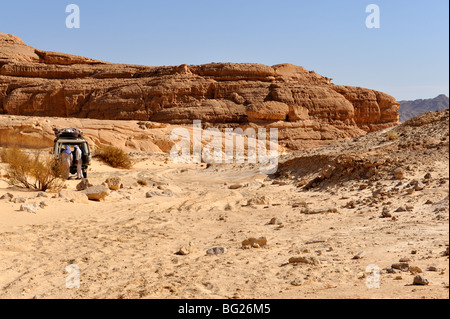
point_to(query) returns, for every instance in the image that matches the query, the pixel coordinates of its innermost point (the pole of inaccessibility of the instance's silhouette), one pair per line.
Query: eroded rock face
(306, 107)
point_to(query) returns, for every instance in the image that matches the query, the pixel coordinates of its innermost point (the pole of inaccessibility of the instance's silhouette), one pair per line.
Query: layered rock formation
(306, 107)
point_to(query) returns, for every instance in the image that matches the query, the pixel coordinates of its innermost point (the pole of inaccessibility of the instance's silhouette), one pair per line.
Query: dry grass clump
(114, 157)
(32, 171)
(142, 182)
(392, 136)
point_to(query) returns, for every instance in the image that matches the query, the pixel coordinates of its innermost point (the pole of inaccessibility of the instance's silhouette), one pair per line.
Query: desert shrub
(32, 171)
(392, 136)
(142, 182)
(114, 157)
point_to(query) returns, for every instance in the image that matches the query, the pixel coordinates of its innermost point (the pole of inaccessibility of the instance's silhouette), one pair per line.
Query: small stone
(7, 196)
(42, 194)
(398, 278)
(359, 255)
(429, 202)
(401, 266)
(30, 208)
(43, 205)
(310, 260)
(261, 242)
(97, 193)
(419, 280)
(410, 191)
(419, 187)
(297, 282)
(184, 251)
(427, 176)
(432, 268)
(404, 260)
(413, 252)
(216, 251)
(399, 173)
(401, 209)
(83, 185)
(415, 270)
(275, 221)
(19, 200)
(386, 214)
(113, 183)
(235, 186)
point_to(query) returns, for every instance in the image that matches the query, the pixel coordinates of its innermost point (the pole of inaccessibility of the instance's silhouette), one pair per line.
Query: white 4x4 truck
(72, 137)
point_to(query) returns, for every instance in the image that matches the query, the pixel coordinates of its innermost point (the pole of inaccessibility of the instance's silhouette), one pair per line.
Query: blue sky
(407, 57)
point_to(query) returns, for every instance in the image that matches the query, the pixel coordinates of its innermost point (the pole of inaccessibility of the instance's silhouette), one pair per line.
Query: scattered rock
(415, 270)
(97, 193)
(30, 208)
(216, 251)
(401, 266)
(399, 173)
(84, 184)
(113, 183)
(259, 200)
(297, 282)
(236, 186)
(386, 214)
(275, 221)
(308, 211)
(419, 280)
(404, 260)
(310, 260)
(359, 255)
(254, 242)
(43, 205)
(7, 196)
(432, 268)
(42, 194)
(19, 200)
(166, 193)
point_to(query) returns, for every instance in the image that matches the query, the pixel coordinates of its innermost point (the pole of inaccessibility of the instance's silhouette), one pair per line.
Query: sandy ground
(126, 246)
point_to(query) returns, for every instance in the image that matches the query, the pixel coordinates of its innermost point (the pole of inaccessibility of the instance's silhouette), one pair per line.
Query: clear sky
(407, 57)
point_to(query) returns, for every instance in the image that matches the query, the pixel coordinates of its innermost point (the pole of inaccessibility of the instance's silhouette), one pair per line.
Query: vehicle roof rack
(68, 133)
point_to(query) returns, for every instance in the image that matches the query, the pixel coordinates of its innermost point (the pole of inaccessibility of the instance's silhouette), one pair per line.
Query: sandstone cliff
(306, 107)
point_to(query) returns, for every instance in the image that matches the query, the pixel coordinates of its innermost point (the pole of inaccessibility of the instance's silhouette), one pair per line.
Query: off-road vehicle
(72, 137)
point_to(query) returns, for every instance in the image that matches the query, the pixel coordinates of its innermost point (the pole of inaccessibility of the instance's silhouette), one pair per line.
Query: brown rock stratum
(306, 107)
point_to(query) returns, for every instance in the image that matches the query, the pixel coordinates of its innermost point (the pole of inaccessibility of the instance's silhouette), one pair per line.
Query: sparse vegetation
(392, 136)
(142, 182)
(32, 171)
(114, 157)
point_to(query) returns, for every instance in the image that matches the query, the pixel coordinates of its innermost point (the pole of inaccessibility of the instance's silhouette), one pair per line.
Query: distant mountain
(410, 109)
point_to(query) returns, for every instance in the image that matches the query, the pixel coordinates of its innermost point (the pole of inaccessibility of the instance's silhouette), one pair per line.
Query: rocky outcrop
(306, 107)
(410, 109)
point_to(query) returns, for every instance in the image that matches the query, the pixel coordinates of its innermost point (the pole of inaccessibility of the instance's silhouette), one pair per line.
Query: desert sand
(323, 242)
